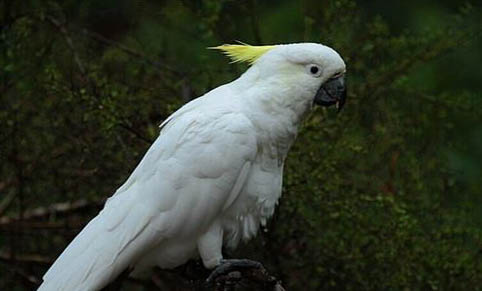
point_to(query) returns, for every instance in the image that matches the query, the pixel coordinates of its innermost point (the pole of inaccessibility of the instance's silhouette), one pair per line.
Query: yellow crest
(243, 53)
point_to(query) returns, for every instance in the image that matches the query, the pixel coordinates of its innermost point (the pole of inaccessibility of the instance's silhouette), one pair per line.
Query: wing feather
(193, 171)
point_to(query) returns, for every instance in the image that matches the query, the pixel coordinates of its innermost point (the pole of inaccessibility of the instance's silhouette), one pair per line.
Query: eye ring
(314, 70)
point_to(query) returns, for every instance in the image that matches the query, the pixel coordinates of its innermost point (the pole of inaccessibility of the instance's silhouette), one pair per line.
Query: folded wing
(196, 167)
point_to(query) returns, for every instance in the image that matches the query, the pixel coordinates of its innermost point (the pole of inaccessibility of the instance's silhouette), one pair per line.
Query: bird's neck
(279, 99)
(274, 107)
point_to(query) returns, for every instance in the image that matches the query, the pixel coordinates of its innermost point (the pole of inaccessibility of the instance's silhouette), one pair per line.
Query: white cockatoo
(214, 174)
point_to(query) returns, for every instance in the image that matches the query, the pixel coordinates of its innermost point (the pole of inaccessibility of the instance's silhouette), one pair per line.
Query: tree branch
(56, 208)
(255, 22)
(9, 198)
(61, 27)
(136, 133)
(99, 38)
(28, 259)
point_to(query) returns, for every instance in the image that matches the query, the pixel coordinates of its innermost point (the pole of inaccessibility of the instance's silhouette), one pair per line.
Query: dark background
(386, 195)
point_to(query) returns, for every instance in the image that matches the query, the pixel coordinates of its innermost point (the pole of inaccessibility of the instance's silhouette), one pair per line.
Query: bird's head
(317, 72)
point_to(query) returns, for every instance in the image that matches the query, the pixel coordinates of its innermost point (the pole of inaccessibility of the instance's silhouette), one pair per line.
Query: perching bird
(213, 175)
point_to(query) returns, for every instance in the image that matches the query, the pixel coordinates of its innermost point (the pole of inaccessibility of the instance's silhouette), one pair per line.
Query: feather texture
(184, 181)
(243, 53)
(210, 179)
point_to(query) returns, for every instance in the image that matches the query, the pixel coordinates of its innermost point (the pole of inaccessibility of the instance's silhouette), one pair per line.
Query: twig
(7, 201)
(129, 51)
(136, 133)
(57, 208)
(29, 280)
(255, 22)
(27, 226)
(61, 27)
(28, 259)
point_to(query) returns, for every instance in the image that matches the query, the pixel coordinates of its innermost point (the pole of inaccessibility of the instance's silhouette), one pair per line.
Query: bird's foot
(229, 272)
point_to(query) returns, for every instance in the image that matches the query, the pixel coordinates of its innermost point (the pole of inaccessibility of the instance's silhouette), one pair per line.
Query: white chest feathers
(256, 202)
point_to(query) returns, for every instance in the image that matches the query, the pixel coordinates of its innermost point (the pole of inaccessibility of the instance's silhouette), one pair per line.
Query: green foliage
(384, 196)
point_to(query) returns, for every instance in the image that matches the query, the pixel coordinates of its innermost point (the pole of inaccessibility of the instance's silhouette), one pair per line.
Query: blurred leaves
(384, 196)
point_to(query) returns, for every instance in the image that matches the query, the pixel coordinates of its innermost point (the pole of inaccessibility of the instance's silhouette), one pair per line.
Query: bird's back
(182, 185)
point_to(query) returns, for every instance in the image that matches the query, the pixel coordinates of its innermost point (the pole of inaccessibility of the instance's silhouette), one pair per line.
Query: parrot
(214, 174)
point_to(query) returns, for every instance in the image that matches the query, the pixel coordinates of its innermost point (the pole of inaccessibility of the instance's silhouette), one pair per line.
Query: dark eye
(314, 70)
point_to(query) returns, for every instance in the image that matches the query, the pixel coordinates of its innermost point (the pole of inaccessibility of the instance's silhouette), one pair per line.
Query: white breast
(257, 201)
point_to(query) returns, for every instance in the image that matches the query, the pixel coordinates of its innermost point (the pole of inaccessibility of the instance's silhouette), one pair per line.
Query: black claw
(228, 266)
(229, 273)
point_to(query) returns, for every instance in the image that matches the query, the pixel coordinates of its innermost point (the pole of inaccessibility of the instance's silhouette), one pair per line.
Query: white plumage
(211, 178)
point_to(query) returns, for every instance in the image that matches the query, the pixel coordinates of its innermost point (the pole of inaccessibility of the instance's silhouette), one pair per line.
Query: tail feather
(118, 235)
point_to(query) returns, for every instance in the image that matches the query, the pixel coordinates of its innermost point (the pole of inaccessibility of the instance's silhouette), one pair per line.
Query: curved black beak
(332, 92)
